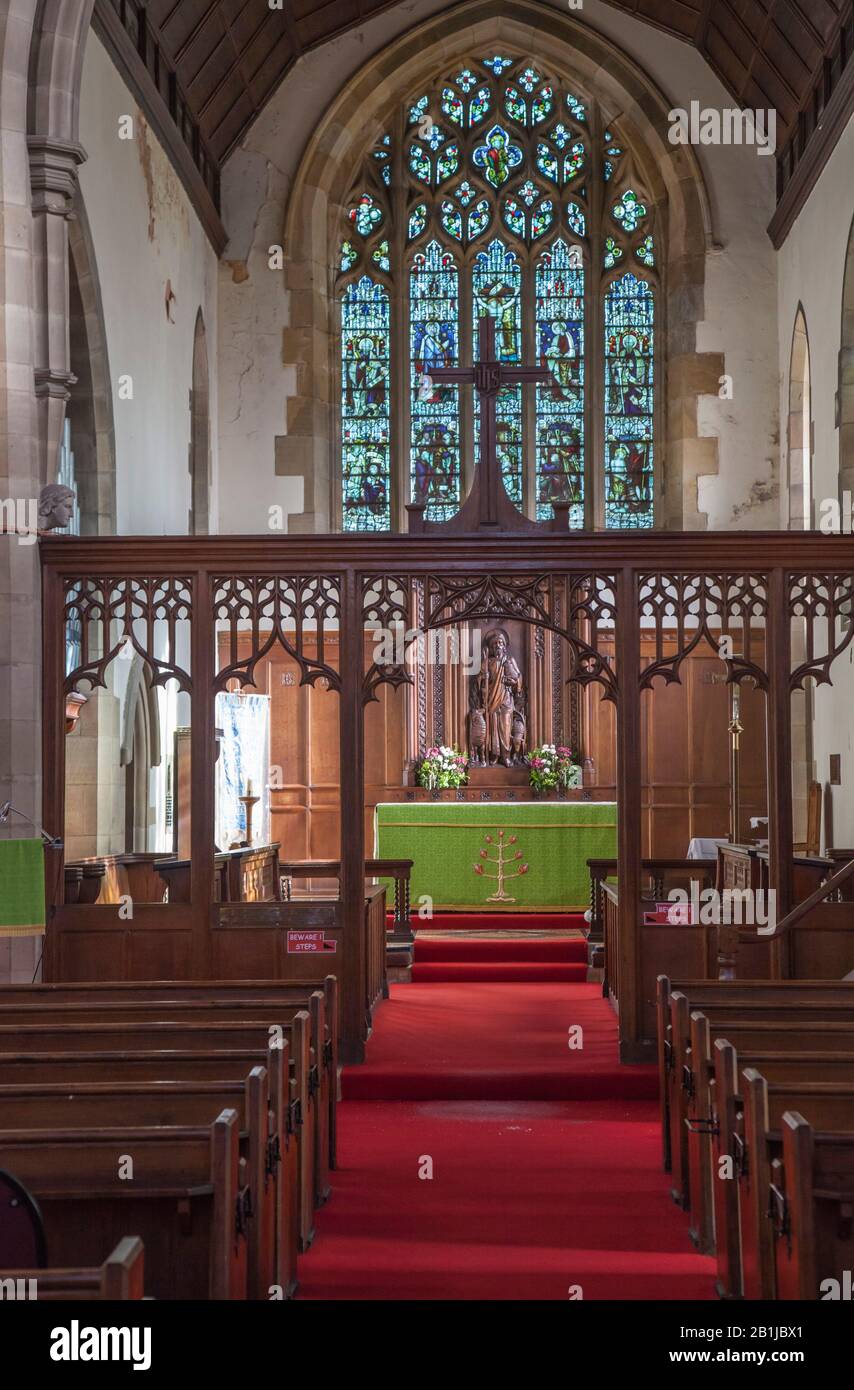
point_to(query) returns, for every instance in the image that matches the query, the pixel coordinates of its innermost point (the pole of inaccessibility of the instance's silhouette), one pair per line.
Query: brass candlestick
(249, 802)
(735, 730)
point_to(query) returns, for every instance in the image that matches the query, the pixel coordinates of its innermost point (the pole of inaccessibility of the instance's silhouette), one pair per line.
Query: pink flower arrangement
(442, 767)
(554, 767)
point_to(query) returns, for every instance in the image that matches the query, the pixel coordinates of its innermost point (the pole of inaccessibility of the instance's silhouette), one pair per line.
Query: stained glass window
(495, 184)
(629, 314)
(365, 416)
(559, 283)
(496, 290)
(434, 410)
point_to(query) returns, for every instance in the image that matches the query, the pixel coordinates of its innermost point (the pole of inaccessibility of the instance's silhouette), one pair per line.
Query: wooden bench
(684, 1082)
(829, 1107)
(133, 1005)
(790, 1051)
(302, 995)
(119, 1278)
(105, 1105)
(130, 1029)
(68, 1070)
(185, 1200)
(812, 1196)
(761, 999)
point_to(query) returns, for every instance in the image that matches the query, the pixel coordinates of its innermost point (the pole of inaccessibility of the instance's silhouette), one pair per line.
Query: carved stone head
(56, 507)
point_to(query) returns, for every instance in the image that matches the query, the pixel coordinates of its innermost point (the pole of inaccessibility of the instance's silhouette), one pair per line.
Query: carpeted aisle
(545, 1160)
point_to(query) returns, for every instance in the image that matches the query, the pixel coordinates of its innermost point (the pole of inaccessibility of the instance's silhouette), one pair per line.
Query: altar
(498, 856)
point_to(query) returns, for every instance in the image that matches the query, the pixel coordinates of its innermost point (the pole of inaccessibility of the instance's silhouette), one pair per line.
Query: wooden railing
(661, 874)
(781, 940)
(399, 870)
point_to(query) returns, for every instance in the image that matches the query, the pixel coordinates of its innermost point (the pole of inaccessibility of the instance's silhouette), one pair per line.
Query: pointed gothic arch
(200, 434)
(89, 411)
(357, 119)
(799, 438)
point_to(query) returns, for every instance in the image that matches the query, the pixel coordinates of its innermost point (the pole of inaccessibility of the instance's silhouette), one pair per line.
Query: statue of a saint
(496, 721)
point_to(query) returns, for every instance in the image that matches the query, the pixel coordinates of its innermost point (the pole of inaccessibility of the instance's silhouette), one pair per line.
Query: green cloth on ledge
(21, 887)
(445, 839)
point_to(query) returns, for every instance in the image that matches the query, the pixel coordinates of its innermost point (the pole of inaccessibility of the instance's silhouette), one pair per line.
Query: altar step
(546, 922)
(499, 960)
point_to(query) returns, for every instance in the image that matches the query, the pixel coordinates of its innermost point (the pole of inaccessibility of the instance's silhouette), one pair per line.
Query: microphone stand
(50, 841)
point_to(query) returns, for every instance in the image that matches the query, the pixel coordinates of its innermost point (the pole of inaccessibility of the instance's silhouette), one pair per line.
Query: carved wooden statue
(496, 721)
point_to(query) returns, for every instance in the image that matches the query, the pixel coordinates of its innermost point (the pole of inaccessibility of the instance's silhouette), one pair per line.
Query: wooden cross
(487, 376)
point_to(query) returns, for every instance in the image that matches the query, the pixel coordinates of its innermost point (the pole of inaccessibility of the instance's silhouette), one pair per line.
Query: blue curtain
(244, 757)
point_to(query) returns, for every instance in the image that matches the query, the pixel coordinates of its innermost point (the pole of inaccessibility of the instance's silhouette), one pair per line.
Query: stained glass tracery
(496, 290)
(559, 284)
(629, 382)
(434, 412)
(365, 412)
(498, 164)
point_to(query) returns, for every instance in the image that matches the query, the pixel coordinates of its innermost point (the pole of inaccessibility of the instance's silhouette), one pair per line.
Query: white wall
(811, 267)
(146, 233)
(740, 305)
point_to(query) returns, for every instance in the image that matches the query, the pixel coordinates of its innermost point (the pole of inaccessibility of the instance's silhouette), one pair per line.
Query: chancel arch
(88, 431)
(381, 225)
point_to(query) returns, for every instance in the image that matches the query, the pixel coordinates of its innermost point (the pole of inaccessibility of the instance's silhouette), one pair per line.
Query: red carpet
(509, 921)
(499, 960)
(503, 948)
(525, 1202)
(495, 1042)
(543, 1161)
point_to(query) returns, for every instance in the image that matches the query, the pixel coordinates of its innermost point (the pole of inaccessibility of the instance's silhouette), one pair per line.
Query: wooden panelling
(685, 754)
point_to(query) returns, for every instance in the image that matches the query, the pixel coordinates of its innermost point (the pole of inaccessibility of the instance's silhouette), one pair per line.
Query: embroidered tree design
(504, 857)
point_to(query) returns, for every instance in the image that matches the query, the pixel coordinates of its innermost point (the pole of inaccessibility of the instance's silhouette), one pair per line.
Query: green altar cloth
(471, 856)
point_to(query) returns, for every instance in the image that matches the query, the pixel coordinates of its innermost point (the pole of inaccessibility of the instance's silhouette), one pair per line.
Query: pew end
(120, 1279)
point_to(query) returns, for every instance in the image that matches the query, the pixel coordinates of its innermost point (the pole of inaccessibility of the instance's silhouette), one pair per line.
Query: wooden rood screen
(200, 613)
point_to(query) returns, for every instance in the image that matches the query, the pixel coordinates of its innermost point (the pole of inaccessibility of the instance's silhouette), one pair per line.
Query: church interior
(426, 452)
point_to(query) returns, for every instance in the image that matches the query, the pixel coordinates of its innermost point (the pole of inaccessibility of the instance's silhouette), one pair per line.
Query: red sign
(672, 914)
(309, 943)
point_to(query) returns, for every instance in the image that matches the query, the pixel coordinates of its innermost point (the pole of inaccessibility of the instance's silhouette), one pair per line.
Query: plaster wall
(148, 242)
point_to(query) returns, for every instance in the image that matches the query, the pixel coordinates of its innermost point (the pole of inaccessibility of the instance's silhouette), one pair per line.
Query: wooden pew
(824, 1021)
(119, 1278)
(105, 1105)
(185, 1200)
(791, 1051)
(71, 1069)
(273, 1010)
(697, 993)
(182, 1032)
(829, 1107)
(301, 994)
(812, 1196)
(736, 1000)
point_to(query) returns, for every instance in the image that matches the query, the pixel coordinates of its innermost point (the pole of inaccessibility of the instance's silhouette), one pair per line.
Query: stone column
(20, 725)
(53, 180)
(41, 49)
